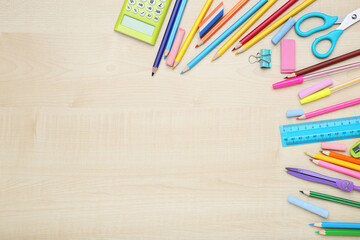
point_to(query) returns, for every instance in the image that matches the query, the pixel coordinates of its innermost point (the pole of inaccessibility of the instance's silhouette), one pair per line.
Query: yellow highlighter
(327, 91)
(243, 29)
(192, 33)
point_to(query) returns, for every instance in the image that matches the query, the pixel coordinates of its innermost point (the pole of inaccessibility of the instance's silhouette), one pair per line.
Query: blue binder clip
(264, 57)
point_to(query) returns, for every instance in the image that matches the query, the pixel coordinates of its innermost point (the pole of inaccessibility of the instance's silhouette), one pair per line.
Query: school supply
(339, 232)
(275, 25)
(287, 56)
(341, 225)
(355, 150)
(308, 206)
(175, 28)
(265, 23)
(328, 91)
(294, 113)
(192, 33)
(142, 20)
(331, 198)
(224, 20)
(333, 146)
(243, 29)
(175, 47)
(223, 36)
(336, 168)
(300, 79)
(334, 161)
(211, 19)
(325, 64)
(264, 57)
(317, 87)
(166, 37)
(329, 109)
(341, 157)
(344, 21)
(320, 131)
(283, 31)
(344, 185)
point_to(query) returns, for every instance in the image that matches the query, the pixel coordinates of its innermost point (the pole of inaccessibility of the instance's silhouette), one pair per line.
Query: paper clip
(264, 57)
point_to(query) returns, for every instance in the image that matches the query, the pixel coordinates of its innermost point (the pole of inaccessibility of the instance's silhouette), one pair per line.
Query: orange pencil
(341, 157)
(222, 21)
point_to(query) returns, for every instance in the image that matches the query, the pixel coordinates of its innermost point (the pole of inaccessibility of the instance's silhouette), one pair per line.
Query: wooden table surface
(93, 147)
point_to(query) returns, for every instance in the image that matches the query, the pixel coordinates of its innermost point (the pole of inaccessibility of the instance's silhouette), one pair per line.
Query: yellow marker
(192, 33)
(243, 29)
(275, 25)
(336, 161)
(327, 91)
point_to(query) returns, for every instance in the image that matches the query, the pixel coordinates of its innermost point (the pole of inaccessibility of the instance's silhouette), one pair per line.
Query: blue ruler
(321, 131)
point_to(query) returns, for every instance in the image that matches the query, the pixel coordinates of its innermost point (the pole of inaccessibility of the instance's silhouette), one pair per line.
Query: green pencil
(332, 198)
(339, 232)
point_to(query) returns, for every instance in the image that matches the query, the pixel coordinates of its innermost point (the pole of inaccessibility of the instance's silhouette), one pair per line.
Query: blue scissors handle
(328, 22)
(333, 37)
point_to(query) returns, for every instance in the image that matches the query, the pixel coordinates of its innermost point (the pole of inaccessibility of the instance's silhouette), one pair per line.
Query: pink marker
(301, 79)
(336, 168)
(332, 108)
(175, 48)
(317, 87)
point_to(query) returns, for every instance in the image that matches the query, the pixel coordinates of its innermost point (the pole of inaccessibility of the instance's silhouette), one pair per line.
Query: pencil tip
(301, 191)
(182, 72)
(152, 74)
(311, 160)
(233, 49)
(165, 57)
(197, 46)
(317, 232)
(311, 224)
(237, 53)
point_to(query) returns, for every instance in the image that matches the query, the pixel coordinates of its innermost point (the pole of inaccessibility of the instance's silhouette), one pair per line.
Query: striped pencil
(331, 198)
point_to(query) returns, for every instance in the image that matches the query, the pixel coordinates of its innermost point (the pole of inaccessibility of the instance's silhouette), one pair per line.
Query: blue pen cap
(284, 30)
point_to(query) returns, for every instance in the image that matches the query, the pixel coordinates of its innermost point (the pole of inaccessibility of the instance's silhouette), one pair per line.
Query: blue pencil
(175, 27)
(221, 38)
(342, 225)
(166, 37)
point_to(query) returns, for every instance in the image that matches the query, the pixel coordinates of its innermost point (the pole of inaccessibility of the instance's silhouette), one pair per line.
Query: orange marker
(226, 18)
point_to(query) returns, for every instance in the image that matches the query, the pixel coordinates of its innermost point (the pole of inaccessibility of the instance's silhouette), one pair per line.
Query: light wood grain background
(93, 147)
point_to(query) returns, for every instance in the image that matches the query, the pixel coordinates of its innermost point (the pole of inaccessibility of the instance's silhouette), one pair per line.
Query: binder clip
(264, 57)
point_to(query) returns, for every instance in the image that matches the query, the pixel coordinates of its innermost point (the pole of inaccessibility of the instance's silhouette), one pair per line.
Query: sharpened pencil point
(317, 232)
(197, 46)
(182, 72)
(311, 224)
(237, 53)
(152, 74)
(301, 191)
(233, 49)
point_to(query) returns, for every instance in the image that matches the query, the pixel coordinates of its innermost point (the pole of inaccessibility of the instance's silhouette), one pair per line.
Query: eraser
(294, 113)
(333, 146)
(287, 56)
(175, 47)
(316, 96)
(317, 87)
(283, 31)
(308, 206)
(211, 19)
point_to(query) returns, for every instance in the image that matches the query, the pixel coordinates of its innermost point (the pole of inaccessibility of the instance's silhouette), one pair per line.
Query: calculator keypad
(151, 9)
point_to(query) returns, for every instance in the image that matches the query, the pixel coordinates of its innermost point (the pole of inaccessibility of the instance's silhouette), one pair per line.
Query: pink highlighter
(314, 88)
(175, 48)
(287, 56)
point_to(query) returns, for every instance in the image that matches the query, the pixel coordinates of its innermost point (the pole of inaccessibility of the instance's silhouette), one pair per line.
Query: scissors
(316, 177)
(344, 21)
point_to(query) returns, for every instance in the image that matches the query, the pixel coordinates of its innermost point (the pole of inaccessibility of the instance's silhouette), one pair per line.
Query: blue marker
(175, 28)
(222, 37)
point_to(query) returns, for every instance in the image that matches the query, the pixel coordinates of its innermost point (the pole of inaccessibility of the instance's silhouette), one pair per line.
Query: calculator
(142, 19)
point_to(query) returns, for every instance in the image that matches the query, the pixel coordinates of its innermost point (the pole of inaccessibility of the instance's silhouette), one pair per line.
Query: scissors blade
(350, 19)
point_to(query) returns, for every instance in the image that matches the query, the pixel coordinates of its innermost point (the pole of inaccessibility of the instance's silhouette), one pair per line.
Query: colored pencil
(339, 232)
(192, 33)
(231, 29)
(224, 20)
(243, 29)
(301, 79)
(332, 108)
(325, 64)
(337, 225)
(341, 157)
(334, 161)
(211, 19)
(175, 27)
(331, 198)
(274, 26)
(328, 91)
(265, 23)
(336, 168)
(166, 37)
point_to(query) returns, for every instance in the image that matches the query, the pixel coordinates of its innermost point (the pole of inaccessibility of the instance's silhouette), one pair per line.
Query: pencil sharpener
(355, 150)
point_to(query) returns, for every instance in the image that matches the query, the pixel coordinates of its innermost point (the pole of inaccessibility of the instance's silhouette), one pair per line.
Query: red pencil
(265, 23)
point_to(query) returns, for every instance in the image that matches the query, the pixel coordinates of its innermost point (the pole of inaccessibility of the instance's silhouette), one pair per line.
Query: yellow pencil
(334, 161)
(192, 33)
(243, 29)
(275, 25)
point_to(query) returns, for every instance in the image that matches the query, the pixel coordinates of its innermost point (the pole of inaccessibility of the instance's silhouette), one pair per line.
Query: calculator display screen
(138, 25)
